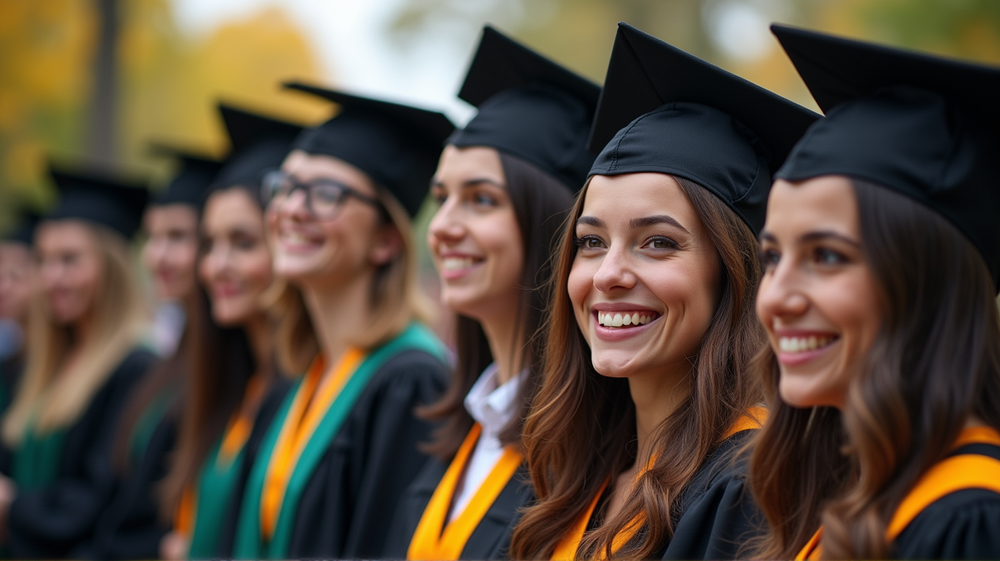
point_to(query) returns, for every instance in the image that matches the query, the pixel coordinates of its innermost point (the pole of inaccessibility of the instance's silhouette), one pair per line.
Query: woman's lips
(800, 347)
(456, 266)
(621, 324)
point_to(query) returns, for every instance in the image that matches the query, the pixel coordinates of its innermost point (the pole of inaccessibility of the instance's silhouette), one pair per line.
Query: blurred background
(98, 79)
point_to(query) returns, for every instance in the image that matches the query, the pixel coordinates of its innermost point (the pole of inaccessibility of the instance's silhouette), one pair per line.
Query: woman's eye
(824, 256)
(769, 258)
(244, 243)
(589, 242)
(440, 198)
(660, 242)
(483, 199)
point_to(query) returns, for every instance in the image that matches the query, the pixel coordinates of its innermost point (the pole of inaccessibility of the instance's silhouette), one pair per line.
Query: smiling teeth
(618, 319)
(803, 344)
(294, 238)
(456, 263)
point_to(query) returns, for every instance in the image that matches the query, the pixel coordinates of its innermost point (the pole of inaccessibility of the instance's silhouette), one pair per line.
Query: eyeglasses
(324, 197)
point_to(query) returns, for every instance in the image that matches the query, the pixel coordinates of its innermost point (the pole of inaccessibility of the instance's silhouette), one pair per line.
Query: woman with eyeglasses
(234, 388)
(344, 445)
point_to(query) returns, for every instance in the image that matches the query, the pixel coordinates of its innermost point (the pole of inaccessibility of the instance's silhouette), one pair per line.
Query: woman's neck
(339, 313)
(656, 396)
(506, 345)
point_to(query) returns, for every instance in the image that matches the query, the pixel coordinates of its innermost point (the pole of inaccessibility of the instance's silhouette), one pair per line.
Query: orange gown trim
(435, 538)
(967, 471)
(236, 436)
(567, 547)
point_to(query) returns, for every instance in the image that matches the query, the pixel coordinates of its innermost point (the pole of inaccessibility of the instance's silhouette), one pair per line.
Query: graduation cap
(99, 195)
(259, 142)
(195, 174)
(666, 111)
(24, 232)
(396, 145)
(529, 107)
(923, 126)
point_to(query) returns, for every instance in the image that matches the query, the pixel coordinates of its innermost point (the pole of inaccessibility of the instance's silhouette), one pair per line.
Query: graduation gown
(52, 520)
(953, 511)
(131, 527)
(352, 493)
(715, 515)
(262, 422)
(490, 539)
(961, 525)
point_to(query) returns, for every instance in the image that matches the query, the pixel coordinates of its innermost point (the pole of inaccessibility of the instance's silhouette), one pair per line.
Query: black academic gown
(268, 407)
(961, 525)
(490, 539)
(131, 527)
(716, 515)
(53, 521)
(347, 506)
(11, 369)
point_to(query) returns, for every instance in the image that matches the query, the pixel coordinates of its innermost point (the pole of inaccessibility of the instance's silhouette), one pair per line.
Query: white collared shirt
(492, 407)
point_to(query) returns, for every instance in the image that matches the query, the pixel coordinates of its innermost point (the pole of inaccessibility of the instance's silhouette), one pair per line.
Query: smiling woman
(233, 387)
(344, 443)
(503, 185)
(882, 257)
(647, 392)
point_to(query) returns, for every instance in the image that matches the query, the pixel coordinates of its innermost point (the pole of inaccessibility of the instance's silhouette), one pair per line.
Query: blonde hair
(395, 299)
(53, 396)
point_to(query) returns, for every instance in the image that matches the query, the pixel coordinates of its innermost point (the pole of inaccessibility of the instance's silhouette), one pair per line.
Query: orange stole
(967, 471)
(567, 547)
(433, 539)
(311, 402)
(235, 437)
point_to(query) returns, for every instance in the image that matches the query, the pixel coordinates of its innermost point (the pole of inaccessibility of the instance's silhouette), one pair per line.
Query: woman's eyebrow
(591, 221)
(653, 220)
(824, 234)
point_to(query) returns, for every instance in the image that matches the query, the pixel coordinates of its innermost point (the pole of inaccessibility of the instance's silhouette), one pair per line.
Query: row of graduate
(646, 363)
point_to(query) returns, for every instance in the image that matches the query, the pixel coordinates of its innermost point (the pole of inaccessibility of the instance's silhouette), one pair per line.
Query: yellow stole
(965, 471)
(433, 539)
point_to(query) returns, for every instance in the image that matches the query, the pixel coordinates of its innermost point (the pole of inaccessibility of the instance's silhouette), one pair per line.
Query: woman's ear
(386, 244)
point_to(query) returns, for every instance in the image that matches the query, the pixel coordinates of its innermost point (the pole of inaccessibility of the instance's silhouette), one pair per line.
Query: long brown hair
(934, 362)
(582, 427)
(118, 323)
(222, 361)
(540, 203)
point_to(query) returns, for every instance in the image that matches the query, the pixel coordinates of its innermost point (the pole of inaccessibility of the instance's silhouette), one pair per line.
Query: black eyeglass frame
(346, 192)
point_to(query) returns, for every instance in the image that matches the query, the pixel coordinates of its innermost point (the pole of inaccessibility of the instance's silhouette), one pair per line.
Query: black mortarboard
(529, 107)
(195, 172)
(258, 142)
(396, 145)
(24, 232)
(666, 111)
(101, 196)
(923, 126)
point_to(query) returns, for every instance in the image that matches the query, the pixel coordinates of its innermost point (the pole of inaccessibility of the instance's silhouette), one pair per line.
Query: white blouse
(492, 407)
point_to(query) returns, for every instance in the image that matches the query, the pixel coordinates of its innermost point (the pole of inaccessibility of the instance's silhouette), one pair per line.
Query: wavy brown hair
(582, 430)
(934, 363)
(541, 203)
